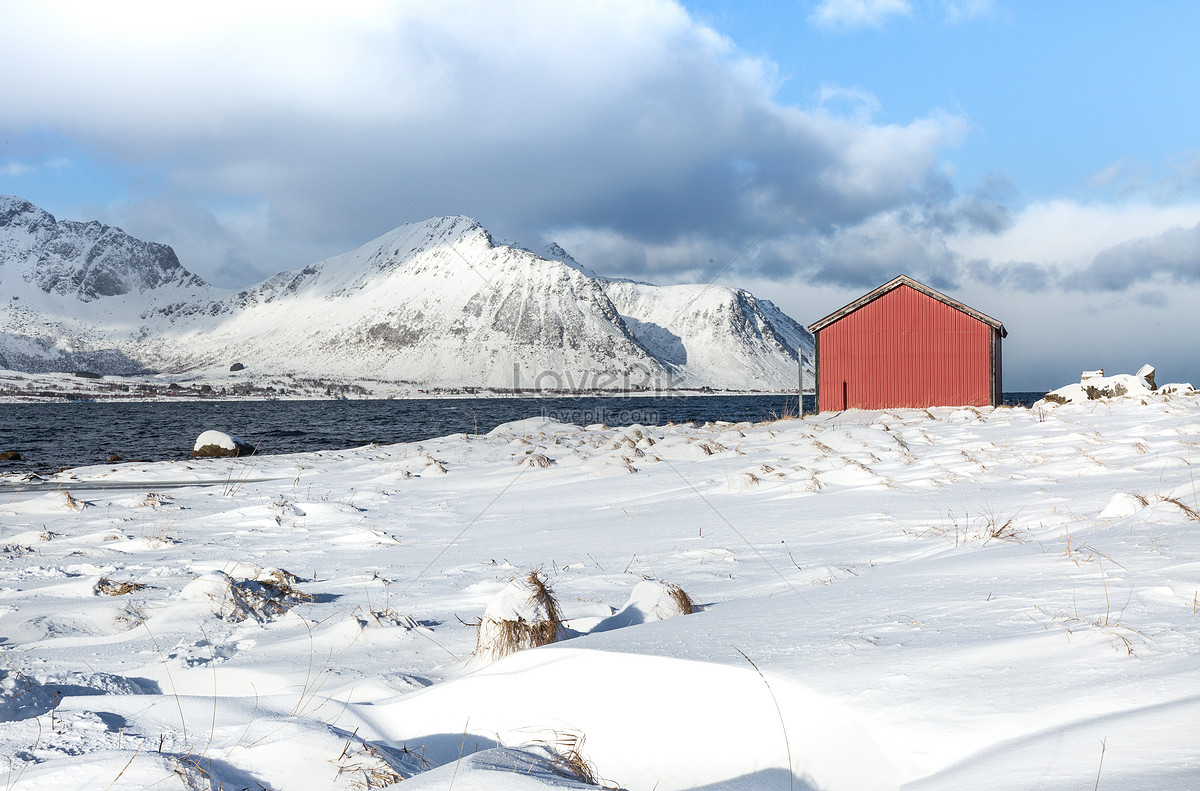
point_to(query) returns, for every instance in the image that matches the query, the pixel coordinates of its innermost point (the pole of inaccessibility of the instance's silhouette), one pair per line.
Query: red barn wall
(905, 349)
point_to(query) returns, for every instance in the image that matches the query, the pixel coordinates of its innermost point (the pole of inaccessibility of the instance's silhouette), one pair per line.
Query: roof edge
(892, 285)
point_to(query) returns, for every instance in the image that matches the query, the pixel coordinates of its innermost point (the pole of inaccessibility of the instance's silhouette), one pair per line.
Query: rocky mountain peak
(84, 260)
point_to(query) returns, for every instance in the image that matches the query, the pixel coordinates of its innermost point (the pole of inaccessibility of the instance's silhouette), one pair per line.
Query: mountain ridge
(437, 303)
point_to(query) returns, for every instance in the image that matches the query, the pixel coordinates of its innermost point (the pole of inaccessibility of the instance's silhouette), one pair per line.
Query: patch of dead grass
(107, 587)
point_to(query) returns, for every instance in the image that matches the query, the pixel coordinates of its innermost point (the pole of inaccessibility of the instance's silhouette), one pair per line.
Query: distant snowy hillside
(713, 333)
(437, 303)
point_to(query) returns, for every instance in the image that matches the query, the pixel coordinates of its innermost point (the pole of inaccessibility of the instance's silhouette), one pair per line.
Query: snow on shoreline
(21, 387)
(922, 600)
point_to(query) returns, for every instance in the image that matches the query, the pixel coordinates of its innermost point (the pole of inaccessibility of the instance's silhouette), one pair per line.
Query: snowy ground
(961, 598)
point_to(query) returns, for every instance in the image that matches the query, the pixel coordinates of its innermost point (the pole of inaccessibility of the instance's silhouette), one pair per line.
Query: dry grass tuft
(566, 758)
(682, 600)
(535, 461)
(154, 499)
(1192, 513)
(499, 637)
(995, 527)
(375, 766)
(192, 772)
(72, 503)
(131, 617)
(987, 527)
(107, 587)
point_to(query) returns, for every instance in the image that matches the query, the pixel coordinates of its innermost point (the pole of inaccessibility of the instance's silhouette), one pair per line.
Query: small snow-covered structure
(1094, 385)
(218, 443)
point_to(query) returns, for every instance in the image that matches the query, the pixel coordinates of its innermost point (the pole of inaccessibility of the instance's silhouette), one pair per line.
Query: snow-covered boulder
(218, 443)
(1093, 385)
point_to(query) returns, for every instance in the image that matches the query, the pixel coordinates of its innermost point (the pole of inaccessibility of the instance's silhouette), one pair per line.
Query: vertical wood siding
(905, 349)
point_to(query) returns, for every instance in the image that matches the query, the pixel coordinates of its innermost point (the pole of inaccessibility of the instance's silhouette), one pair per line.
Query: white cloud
(963, 10)
(856, 102)
(1068, 235)
(319, 123)
(853, 14)
(16, 169)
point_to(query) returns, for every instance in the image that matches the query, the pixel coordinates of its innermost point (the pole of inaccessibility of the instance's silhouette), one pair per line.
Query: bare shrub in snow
(998, 527)
(535, 461)
(374, 766)
(192, 770)
(107, 587)
(73, 504)
(268, 594)
(1191, 513)
(523, 615)
(565, 757)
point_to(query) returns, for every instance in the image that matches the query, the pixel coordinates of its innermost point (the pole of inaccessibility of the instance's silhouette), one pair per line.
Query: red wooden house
(907, 345)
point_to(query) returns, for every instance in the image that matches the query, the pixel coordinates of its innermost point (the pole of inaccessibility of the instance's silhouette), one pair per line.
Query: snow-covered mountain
(436, 303)
(74, 294)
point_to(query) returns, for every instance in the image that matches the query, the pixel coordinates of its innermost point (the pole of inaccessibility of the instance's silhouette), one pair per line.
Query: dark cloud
(1151, 299)
(984, 210)
(1173, 255)
(1014, 275)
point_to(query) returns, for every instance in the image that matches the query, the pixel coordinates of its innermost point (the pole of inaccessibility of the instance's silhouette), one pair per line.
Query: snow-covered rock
(218, 443)
(1093, 385)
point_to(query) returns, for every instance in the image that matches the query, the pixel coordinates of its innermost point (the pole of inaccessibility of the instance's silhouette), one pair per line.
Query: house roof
(905, 280)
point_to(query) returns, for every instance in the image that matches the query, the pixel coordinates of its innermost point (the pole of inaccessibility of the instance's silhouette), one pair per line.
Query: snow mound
(22, 698)
(710, 725)
(530, 425)
(530, 769)
(1122, 505)
(650, 601)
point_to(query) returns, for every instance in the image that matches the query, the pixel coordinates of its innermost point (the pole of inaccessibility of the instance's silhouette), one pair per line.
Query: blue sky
(1040, 161)
(1053, 92)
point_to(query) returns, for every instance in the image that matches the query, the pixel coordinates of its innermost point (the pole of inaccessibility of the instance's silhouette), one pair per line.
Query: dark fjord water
(56, 435)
